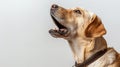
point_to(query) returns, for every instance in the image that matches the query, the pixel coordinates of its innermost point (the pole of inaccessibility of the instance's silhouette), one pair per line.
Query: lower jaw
(61, 32)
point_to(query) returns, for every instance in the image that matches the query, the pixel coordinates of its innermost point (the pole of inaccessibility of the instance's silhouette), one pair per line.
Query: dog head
(75, 22)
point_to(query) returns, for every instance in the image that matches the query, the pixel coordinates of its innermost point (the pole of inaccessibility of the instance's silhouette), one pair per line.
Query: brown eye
(77, 11)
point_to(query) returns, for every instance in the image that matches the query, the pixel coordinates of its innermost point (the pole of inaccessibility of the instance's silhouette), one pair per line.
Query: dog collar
(91, 59)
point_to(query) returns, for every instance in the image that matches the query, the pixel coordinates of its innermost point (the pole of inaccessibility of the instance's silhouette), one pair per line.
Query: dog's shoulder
(107, 59)
(116, 60)
(111, 55)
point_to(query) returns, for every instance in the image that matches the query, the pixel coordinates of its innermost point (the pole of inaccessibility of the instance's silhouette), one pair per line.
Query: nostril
(54, 6)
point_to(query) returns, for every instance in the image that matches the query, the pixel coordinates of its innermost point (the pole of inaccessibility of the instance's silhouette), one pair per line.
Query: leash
(91, 59)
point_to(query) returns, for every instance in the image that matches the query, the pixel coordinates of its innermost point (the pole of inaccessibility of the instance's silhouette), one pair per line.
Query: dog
(84, 32)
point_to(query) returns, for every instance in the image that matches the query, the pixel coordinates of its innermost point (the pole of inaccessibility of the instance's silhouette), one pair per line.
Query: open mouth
(62, 30)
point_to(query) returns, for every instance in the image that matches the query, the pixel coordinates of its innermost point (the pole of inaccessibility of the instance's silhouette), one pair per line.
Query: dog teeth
(55, 28)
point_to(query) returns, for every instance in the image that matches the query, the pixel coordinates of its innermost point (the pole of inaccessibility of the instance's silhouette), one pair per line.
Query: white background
(24, 37)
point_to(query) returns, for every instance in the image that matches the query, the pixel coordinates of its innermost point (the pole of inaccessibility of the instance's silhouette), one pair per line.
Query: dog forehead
(86, 12)
(79, 8)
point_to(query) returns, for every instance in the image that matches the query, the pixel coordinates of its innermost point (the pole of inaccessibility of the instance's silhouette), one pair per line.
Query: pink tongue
(63, 30)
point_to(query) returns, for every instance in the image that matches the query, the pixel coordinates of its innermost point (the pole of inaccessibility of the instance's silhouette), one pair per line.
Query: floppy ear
(95, 28)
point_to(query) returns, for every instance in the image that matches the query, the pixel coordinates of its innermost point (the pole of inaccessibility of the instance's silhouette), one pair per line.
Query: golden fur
(84, 34)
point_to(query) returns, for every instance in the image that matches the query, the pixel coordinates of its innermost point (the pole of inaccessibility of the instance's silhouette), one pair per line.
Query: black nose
(54, 6)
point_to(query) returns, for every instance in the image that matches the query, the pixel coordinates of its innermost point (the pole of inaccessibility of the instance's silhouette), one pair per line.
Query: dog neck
(84, 48)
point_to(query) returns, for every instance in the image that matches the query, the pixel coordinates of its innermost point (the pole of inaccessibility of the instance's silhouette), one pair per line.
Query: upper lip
(57, 23)
(54, 7)
(52, 12)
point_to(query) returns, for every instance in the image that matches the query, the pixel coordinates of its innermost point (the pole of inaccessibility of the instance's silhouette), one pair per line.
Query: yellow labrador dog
(84, 32)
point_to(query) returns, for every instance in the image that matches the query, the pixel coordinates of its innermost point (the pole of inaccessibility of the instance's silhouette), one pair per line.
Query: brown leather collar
(92, 58)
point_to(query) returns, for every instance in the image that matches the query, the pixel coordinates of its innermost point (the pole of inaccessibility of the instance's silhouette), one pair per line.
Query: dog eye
(77, 11)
